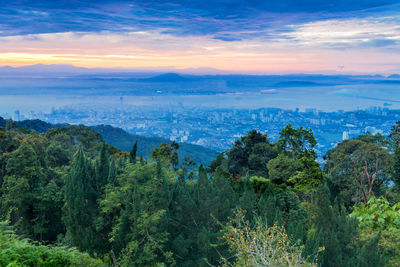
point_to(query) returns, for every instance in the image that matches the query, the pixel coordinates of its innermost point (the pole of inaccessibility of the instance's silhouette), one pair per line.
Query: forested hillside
(124, 140)
(67, 196)
(36, 125)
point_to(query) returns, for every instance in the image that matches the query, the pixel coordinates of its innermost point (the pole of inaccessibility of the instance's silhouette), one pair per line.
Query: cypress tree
(112, 174)
(132, 154)
(203, 197)
(267, 208)
(396, 169)
(206, 211)
(222, 199)
(370, 256)
(162, 193)
(122, 161)
(334, 231)
(395, 142)
(247, 202)
(147, 224)
(183, 225)
(102, 169)
(129, 215)
(79, 203)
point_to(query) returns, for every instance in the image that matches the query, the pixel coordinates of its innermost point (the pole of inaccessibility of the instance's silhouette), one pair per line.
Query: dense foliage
(379, 216)
(123, 140)
(66, 190)
(15, 251)
(261, 245)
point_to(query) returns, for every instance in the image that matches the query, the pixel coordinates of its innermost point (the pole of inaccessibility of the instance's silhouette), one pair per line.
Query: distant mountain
(123, 140)
(297, 84)
(67, 69)
(45, 69)
(168, 77)
(42, 69)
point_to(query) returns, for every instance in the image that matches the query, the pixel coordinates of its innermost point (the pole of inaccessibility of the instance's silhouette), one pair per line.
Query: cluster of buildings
(219, 128)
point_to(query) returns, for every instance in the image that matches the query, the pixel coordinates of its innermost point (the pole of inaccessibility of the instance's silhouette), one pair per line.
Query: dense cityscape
(219, 128)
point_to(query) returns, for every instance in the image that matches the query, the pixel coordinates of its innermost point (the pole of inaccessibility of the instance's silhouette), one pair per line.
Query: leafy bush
(23, 252)
(261, 245)
(378, 214)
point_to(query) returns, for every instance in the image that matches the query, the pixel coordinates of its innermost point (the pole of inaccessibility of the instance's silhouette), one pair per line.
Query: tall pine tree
(80, 204)
(102, 169)
(337, 234)
(132, 154)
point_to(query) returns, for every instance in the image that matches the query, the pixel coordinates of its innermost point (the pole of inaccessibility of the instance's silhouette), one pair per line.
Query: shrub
(15, 251)
(261, 245)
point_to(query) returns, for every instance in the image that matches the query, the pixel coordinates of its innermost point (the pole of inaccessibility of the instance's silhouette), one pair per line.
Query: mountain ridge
(123, 140)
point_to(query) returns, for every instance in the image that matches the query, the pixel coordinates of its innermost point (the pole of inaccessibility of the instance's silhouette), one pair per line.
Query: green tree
(132, 154)
(306, 182)
(297, 142)
(183, 224)
(250, 155)
(102, 169)
(282, 168)
(112, 174)
(20, 187)
(222, 200)
(57, 156)
(203, 191)
(80, 204)
(167, 154)
(379, 218)
(337, 233)
(378, 214)
(259, 157)
(395, 144)
(358, 170)
(140, 233)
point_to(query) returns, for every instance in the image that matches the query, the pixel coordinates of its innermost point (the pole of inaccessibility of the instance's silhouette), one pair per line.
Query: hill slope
(123, 140)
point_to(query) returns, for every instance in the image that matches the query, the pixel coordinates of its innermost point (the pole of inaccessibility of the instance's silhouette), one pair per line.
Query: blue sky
(246, 36)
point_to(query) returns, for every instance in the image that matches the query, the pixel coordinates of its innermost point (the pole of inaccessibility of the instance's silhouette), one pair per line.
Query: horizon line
(187, 71)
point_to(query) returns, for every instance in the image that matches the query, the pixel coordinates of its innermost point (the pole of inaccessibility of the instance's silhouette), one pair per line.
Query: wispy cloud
(345, 33)
(195, 17)
(234, 34)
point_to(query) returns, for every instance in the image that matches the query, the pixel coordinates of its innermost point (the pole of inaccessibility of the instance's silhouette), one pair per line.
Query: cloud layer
(224, 19)
(247, 35)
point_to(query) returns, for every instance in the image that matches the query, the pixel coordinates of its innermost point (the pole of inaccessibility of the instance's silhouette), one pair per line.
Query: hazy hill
(123, 140)
(167, 77)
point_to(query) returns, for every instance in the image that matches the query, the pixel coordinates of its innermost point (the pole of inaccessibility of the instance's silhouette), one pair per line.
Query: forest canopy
(67, 196)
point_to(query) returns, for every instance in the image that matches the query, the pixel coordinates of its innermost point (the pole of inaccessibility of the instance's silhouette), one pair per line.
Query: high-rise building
(345, 135)
(17, 115)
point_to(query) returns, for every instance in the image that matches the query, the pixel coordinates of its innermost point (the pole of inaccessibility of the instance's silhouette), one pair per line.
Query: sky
(253, 36)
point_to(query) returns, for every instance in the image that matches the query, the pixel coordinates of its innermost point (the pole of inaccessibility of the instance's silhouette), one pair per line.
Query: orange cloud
(153, 49)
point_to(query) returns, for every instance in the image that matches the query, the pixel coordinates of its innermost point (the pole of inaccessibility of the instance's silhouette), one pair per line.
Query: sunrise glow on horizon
(361, 38)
